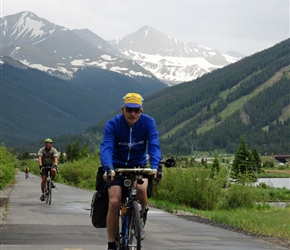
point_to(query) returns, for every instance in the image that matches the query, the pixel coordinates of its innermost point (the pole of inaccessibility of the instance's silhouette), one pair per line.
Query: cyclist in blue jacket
(127, 139)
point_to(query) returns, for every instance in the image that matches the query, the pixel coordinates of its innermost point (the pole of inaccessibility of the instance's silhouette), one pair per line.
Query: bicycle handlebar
(148, 172)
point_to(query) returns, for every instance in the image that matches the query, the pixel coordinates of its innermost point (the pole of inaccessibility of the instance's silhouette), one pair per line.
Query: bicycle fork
(125, 223)
(47, 184)
(126, 218)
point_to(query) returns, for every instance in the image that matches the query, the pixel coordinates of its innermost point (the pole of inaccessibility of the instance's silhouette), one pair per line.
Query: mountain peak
(36, 42)
(26, 28)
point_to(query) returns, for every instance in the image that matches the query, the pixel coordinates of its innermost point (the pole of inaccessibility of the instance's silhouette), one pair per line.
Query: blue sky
(245, 26)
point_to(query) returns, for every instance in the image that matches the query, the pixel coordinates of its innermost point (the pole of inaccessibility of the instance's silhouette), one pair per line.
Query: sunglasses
(135, 110)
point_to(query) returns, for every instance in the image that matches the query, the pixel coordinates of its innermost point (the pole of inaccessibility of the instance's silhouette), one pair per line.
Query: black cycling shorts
(44, 171)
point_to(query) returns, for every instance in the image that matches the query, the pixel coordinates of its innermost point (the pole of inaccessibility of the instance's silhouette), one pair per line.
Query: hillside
(35, 105)
(250, 97)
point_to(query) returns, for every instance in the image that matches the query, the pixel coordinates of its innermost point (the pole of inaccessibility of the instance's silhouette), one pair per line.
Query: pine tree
(257, 161)
(75, 152)
(243, 163)
(68, 151)
(215, 167)
(84, 152)
(61, 158)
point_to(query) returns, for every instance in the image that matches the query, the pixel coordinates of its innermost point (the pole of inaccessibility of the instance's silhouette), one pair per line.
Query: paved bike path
(65, 225)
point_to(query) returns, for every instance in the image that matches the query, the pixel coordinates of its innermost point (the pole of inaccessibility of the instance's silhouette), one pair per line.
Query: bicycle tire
(50, 193)
(46, 197)
(134, 227)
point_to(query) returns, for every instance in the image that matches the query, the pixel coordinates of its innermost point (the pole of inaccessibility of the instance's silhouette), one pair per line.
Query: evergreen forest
(249, 98)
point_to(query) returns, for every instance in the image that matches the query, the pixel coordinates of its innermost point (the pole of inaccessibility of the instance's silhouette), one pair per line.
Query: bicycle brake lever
(109, 173)
(159, 174)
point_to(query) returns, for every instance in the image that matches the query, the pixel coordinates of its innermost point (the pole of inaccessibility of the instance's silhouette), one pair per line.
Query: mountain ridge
(250, 97)
(31, 100)
(59, 51)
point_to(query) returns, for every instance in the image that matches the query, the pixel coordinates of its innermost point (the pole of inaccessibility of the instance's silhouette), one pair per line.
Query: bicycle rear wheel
(134, 227)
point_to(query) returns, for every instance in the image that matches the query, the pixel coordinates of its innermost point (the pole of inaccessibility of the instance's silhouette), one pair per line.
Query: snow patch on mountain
(170, 68)
(147, 52)
(170, 60)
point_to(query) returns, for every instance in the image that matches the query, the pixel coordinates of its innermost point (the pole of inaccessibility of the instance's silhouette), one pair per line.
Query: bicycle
(129, 236)
(26, 175)
(48, 188)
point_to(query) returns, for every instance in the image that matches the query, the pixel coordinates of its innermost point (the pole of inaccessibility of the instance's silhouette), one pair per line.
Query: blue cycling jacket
(125, 145)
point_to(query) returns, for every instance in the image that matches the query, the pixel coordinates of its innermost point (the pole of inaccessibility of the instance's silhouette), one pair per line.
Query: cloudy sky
(245, 26)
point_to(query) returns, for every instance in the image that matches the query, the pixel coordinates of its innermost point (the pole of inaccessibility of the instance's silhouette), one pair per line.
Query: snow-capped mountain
(59, 51)
(169, 59)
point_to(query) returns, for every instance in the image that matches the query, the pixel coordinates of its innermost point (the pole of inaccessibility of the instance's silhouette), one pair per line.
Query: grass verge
(262, 220)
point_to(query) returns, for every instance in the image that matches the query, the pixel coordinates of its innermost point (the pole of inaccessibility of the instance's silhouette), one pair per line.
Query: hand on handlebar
(158, 175)
(109, 176)
(56, 167)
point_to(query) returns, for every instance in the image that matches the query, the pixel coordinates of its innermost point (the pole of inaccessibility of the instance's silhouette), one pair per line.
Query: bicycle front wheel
(48, 193)
(134, 227)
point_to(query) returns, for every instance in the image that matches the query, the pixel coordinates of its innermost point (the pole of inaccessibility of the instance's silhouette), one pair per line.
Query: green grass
(262, 219)
(273, 175)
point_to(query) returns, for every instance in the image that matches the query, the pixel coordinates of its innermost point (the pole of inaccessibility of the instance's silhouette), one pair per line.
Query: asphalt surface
(31, 224)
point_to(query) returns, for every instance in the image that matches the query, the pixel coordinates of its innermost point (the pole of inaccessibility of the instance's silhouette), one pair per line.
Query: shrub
(240, 196)
(8, 163)
(81, 173)
(191, 187)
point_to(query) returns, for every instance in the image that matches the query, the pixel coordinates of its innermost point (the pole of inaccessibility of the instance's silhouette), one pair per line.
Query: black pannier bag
(100, 202)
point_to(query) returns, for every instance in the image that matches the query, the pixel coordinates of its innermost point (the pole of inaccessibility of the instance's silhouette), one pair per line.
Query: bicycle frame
(48, 189)
(129, 236)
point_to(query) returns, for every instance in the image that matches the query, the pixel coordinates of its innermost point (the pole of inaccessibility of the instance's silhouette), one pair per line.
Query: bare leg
(53, 173)
(142, 194)
(115, 195)
(43, 182)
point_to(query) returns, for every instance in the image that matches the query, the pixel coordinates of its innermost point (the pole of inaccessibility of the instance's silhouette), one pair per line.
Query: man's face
(48, 145)
(132, 115)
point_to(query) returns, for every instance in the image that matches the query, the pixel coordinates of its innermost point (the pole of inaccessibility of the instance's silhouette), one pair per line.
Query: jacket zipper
(130, 143)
